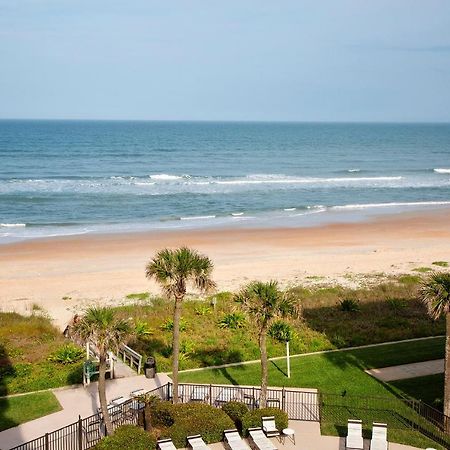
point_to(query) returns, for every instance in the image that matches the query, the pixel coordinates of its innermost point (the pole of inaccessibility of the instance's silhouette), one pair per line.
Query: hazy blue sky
(332, 60)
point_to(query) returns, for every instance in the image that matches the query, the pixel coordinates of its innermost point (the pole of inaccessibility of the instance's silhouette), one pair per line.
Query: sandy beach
(63, 275)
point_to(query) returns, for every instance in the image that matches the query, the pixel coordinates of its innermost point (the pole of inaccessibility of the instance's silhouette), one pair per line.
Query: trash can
(150, 367)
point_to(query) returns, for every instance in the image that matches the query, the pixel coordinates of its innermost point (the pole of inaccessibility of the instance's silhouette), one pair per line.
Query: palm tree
(173, 270)
(435, 293)
(264, 303)
(106, 331)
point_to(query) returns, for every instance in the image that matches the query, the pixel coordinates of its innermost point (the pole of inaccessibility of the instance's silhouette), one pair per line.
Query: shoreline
(104, 268)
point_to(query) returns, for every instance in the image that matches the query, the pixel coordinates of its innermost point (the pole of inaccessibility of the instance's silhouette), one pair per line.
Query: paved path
(420, 369)
(76, 401)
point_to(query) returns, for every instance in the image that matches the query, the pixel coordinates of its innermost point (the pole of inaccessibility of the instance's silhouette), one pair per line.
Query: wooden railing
(130, 357)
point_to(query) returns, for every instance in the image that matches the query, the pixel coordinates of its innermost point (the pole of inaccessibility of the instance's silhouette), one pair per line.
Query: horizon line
(412, 122)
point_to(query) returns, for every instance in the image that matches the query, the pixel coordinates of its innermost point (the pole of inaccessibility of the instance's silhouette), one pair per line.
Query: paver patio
(404, 371)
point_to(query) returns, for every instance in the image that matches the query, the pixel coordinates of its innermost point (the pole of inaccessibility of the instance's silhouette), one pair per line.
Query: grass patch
(428, 389)
(440, 263)
(140, 296)
(423, 269)
(27, 344)
(17, 410)
(340, 375)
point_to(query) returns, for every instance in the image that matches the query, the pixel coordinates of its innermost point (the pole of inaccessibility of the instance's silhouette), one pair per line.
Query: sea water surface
(72, 177)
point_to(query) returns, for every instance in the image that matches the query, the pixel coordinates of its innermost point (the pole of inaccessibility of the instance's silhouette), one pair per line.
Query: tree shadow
(6, 370)
(278, 368)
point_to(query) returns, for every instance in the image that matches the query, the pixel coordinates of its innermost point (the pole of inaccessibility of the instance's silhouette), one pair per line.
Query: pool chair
(234, 441)
(165, 444)
(259, 441)
(379, 437)
(196, 442)
(354, 439)
(269, 427)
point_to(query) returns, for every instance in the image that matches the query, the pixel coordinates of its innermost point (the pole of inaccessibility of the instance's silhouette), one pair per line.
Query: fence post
(80, 434)
(46, 442)
(210, 394)
(253, 397)
(283, 399)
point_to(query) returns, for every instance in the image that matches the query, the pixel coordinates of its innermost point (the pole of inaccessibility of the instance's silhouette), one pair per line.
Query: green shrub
(162, 413)
(128, 436)
(193, 418)
(349, 305)
(168, 325)
(203, 310)
(235, 411)
(232, 320)
(142, 329)
(254, 418)
(281, 331)
(67, 354)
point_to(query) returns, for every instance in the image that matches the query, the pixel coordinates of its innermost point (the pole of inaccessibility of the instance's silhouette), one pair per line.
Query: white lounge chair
(165, 444)
(379, 437)
(234, 440)
(196, 442)
(269, 427)
(259, 440)
(354, 438)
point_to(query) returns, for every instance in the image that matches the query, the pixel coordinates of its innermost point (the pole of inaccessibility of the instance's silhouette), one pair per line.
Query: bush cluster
(254, 418)
(236, 411)
(128, 436)
(185, 419)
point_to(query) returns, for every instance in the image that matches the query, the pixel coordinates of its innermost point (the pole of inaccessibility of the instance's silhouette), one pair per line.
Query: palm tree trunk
(102, 393)
(447, 375)
(264, 368)
(176, 346)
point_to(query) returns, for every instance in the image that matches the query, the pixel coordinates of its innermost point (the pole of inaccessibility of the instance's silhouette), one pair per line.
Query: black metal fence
(332, 410)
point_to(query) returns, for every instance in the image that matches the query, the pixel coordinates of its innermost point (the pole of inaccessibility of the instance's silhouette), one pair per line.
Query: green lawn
(17, 410)
(429, 389)
(340, 373)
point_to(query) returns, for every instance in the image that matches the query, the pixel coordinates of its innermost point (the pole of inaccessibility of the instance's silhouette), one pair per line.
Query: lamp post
(288, 360)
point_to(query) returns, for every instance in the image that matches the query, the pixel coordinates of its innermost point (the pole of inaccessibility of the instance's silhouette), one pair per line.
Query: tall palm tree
(435, 293)
(173, 270)
(106, 331)
(264, 303)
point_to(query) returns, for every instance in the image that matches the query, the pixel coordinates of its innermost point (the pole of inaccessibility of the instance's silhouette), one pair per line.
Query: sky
(327, 60)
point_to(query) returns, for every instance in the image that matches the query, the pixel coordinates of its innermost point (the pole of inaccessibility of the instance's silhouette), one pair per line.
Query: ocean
(75, 177)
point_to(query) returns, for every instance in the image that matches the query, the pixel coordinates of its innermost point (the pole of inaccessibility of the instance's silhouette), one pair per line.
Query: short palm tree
(106, 331)
(264, 303)
(173, 270)
(435, 293)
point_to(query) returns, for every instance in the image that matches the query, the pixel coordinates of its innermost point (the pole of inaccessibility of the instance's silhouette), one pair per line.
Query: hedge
(254, 418)
(185, 419)
(236, 411)
(127, 436)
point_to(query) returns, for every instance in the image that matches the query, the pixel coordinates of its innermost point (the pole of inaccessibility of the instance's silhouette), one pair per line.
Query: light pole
(288, 360)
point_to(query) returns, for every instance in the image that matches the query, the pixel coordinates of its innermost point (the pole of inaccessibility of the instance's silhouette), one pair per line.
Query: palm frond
(435, 294)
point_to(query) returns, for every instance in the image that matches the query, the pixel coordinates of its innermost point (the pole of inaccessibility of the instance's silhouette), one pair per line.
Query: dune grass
(26, 345)
(388, 310)
(21, 409)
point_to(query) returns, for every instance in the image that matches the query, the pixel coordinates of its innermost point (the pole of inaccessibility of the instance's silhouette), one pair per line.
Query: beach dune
(64, 275)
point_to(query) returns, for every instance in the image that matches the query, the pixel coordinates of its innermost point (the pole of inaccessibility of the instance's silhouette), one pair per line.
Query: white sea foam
(442, 170)
(13, 225)
(236, 214)
(290, 209)
(353, 170)
(289, 180)
(166, 177)
(148, 183)
(198, 217)
(387, 205)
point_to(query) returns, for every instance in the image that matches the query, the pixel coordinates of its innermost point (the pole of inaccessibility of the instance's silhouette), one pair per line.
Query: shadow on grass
(6, 369)
(278, 368)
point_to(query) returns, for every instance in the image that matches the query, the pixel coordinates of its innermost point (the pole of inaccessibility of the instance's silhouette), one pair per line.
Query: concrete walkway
(406, 371)
(76, 401)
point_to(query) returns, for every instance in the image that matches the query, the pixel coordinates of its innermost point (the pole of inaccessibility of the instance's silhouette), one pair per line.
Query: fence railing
(130, 357)
(308, 405)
